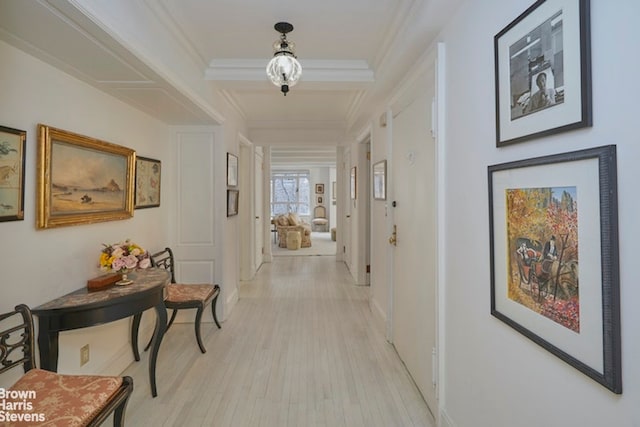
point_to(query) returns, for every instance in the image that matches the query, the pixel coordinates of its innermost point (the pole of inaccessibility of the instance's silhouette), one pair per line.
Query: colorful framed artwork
(319, 188)
(380, 180)
(232, 202)
(148, 173)
(82, 180)
(12, 166)
(232, 170)
(543, 72)
(554, 257)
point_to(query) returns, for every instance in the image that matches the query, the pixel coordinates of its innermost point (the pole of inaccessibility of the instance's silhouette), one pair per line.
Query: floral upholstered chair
(183, 295)
(292, 222)
(49, 398)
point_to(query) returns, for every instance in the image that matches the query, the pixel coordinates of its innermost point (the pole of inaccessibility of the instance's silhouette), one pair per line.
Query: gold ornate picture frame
(82, 180)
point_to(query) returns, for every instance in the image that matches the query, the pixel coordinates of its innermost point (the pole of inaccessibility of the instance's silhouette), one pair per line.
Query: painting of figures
(542, 225)
(554, 256)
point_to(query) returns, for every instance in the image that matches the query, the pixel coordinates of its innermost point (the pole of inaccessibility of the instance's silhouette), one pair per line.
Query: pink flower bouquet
(123, 256)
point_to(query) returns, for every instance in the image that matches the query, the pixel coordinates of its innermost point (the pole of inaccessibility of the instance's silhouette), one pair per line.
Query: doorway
(414, 256)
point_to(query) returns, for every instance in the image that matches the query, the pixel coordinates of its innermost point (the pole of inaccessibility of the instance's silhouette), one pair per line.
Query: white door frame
(247, 210)
(438, 126)
(438, 132)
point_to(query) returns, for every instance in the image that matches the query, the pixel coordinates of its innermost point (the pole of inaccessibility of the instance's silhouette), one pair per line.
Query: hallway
(298, 350)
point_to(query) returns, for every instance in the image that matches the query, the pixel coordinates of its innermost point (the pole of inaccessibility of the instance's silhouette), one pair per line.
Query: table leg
(158, 333)
(135, 327)
(47, 345)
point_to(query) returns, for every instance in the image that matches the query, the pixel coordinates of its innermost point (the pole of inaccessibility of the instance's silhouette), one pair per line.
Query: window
(290, 192)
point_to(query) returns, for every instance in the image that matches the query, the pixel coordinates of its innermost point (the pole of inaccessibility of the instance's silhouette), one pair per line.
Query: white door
(414, 256)
(259, 210)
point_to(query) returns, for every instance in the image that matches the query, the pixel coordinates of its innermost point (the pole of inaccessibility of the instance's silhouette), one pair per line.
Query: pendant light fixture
(284, 70)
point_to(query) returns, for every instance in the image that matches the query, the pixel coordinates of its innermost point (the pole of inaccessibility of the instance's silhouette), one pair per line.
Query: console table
(83, 308)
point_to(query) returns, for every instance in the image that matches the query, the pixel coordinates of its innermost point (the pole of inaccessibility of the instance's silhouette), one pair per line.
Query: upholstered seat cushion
(181, 293)
(64, 400)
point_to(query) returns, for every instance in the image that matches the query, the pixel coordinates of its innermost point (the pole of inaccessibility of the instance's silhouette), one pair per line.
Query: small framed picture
(12, 162)
(319, 188)
(232, 170)
(354, 183)
(319, 200)
(147, 183)
(232, 202)
(380, 180)
(543, 72)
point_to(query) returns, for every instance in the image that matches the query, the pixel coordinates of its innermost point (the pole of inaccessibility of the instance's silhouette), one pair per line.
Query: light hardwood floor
(299, 349)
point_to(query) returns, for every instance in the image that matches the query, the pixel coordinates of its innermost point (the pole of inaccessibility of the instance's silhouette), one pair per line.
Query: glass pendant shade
(284, 70)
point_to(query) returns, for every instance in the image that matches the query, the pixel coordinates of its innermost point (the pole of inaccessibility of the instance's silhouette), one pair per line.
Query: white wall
(38, 266)
(138, 30)
(320, 176)
(495, 376)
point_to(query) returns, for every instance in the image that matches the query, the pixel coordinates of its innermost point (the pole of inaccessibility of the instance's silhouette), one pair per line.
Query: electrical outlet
(84, 354)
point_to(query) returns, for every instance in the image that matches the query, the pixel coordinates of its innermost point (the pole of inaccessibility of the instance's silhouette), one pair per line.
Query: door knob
(392, 239)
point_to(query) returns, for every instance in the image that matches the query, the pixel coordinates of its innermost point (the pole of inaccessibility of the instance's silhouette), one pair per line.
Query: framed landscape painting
(12, 163)
(82, 180)
(543, 71)
(554, 257)
(148, 173)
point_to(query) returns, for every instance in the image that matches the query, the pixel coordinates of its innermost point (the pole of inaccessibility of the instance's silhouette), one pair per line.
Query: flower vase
(125, 280)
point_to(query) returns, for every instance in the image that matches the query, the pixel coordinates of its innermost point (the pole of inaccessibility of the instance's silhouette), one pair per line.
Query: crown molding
(313, 70)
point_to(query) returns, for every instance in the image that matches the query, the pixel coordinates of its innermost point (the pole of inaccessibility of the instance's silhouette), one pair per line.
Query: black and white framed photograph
(380, 180)
(553, 225)
(543, 72)
(354, 183)
(232, 170)
(233, 197)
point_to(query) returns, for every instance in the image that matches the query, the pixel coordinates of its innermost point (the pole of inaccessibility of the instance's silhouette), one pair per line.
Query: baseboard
(230, 303)
(379, 316)
(445, 420)
(121, 360)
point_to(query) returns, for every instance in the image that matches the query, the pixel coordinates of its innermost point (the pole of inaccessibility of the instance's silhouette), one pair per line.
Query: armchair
(292, 222)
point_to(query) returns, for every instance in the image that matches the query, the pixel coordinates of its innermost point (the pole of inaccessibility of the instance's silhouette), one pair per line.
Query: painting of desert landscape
(85, 180)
